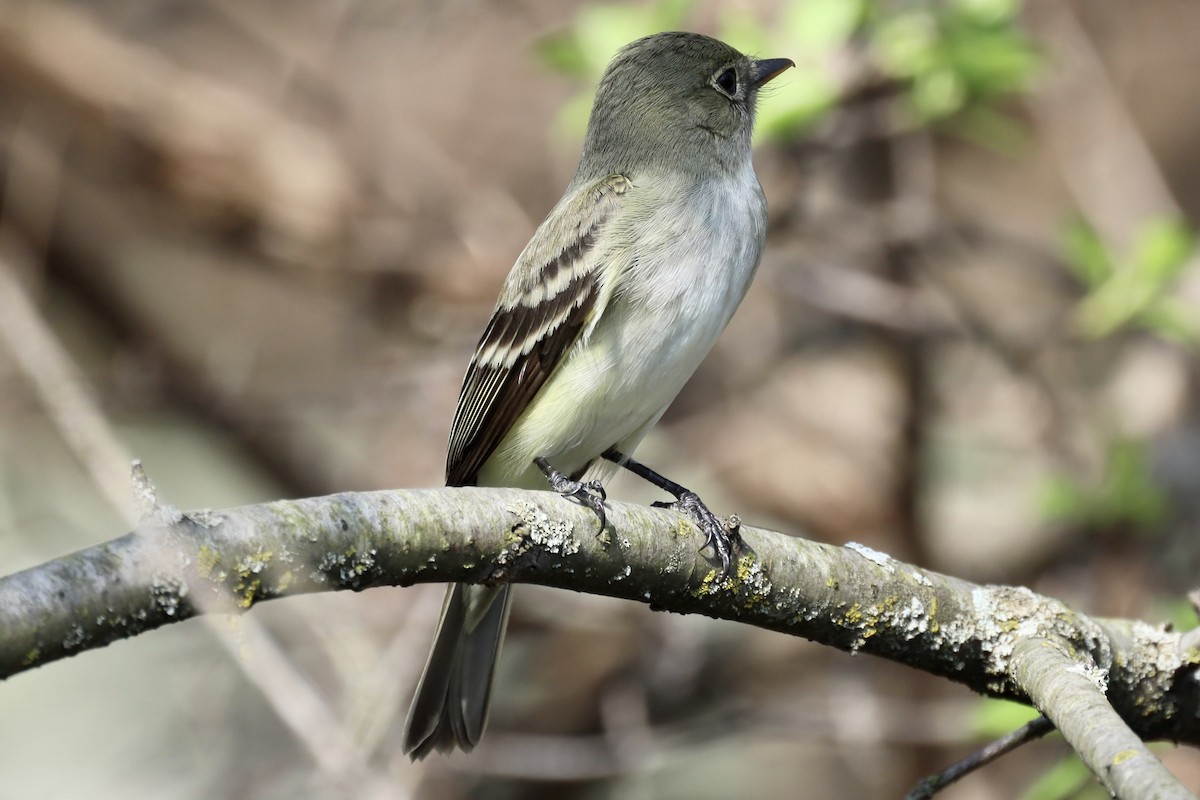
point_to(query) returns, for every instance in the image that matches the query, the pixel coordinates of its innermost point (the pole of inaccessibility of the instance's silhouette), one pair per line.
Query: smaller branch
(864, 298)
(1097, 142)
(295, 700)
(67, 399)
(1073, 697)
(62, 391)
(1032, 730)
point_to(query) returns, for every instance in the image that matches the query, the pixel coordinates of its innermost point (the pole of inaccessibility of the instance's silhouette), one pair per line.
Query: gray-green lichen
(1004, 615)
(168, 593)
(1156, 657)
(537, 529)
(346, 568)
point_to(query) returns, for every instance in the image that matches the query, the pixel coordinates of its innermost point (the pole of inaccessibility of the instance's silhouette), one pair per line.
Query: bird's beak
(768, 68)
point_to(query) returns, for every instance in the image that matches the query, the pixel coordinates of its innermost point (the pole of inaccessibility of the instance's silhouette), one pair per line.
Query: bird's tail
(450, 708)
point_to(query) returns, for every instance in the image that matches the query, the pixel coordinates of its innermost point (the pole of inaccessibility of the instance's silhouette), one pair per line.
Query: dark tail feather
(451, 705)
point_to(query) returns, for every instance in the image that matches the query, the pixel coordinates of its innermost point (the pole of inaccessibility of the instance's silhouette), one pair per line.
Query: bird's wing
(555, 289)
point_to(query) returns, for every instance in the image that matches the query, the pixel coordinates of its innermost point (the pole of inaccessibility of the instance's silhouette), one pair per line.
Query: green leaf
(1126, 494)
(1062, 500)
(1172, 320)
(956, 57)
(905, 42)
(1117, 302)
(604, 29)
(561, 53)
(992, 129)
(746, 33)
(1163, 248)
(1085, 254)
(994, 718)
(1179, 612)
(822, 25)
(1069, 779)
(670, 15)
(938, 93)
(1129, 493)
(989, 12)
(992, 61)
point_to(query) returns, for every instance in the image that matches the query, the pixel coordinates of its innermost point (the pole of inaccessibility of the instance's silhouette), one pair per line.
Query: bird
(610, 308)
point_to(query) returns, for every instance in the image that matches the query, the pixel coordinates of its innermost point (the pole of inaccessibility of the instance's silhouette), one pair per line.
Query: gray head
(679, 100)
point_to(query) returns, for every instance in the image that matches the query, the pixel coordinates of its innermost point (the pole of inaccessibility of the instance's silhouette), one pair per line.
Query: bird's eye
(727, 81)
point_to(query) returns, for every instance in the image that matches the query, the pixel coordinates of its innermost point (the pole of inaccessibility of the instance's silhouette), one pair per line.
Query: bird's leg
(722, 536)
(590, 493)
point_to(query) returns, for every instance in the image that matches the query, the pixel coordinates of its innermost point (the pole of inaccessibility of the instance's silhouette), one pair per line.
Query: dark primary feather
(529, 334)
(493, 396)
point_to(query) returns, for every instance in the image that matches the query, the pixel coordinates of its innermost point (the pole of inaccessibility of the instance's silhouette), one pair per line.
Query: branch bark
(1072, 695)
(175, 566)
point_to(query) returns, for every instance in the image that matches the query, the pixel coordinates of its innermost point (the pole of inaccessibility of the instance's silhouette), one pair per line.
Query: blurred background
(253, 243)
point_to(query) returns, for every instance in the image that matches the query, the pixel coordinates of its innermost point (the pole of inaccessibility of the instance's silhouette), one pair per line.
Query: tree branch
(1072, 696)
(175, 566)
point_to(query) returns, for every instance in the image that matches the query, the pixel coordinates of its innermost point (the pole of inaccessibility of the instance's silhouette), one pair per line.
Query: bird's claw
(589, 493)
(722, 536)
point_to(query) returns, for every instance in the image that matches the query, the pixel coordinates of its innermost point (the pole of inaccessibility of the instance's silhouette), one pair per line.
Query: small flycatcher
(606, 314)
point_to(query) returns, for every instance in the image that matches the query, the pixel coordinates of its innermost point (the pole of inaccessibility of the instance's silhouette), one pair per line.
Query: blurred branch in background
(68, 402)
(267, 234)
(216, 148)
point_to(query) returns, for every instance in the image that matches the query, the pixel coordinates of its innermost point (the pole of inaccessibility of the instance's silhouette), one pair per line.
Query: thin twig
(1035, 729)
(66, 398)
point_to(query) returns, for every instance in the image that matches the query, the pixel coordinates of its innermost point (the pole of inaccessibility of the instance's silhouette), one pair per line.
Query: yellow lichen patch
(207, 560)
(248, 593)
(1123, 756)
(253, 565)
(753, 579)
(934, 625)
(866, 620)
(711, 583)
(32, 657)
(249, 584)
(744, 566)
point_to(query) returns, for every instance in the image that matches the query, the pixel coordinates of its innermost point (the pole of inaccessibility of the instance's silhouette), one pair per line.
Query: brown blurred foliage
(268, 233)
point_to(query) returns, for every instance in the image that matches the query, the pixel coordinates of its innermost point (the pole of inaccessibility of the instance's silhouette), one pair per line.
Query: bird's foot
(723, 536)
(589, 493)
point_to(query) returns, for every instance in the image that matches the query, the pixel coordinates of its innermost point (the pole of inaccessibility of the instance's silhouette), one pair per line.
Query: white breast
(701, 251)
